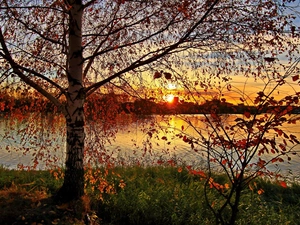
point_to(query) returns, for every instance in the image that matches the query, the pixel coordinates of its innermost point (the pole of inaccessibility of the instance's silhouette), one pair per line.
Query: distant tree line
(111, 104)
(143, 106)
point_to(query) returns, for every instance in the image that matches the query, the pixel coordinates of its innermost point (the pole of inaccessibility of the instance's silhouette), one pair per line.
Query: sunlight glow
(171, 86)
(169, 98)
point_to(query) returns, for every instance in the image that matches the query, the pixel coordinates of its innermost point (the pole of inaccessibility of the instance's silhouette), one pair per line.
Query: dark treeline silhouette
(113, 103)
(142, 106)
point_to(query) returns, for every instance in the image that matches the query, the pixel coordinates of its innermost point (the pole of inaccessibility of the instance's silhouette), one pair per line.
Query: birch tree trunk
(73, 186)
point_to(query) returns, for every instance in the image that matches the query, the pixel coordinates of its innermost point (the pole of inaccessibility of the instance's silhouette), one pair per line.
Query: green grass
(152, 195)
(32, 179)
(155, 195)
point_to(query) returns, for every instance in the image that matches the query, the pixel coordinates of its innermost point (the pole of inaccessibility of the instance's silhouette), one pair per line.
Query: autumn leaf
(260, 191)
(280, 160)
(274, 160)
(283, 184)
(198, 173)
(164, 138)
(279, 131)
(185, 139)
(296, 77)
(224, 161)
(189, 168)
(171, 162)
(179, 169)
(157, 75)
(282, 147)
(2, 106)
(168, 76)
(261, 163)
(250, 187)
(247, 115)
(159, 162)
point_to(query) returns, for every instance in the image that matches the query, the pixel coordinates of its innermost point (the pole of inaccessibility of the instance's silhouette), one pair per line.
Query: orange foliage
(260, 191)
(100, 181)
(283, 184)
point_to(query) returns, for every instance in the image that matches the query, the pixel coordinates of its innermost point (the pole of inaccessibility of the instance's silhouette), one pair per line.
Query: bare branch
(159, 53)
(28, 81)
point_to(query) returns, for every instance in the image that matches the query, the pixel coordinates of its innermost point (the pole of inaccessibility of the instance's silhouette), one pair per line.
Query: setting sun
(169, 98)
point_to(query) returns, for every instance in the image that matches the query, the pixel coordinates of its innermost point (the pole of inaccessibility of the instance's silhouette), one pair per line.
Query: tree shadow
(20, 207)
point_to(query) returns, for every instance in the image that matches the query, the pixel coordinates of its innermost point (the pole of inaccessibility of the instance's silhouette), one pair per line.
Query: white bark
(73, 186)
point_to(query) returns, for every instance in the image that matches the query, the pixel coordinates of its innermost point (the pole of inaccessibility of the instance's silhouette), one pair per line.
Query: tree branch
(16, 69)
(165, 51)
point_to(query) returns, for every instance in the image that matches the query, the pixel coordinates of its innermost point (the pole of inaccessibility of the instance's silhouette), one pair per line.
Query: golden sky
(240, 87)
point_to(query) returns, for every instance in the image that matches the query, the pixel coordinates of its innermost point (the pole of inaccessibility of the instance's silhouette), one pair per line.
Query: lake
(147, 140)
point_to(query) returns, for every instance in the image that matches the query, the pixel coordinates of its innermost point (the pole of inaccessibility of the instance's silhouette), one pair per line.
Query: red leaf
(247, 114)
(283, 184)
(280, 132)
(2, 106)
(274, 160)
(280, 160)
(260, 191)
(273, 151)
(171, 162)
(224, 161)
(189, 167)
(168, 76)
(295, 77)
(198, 172)
(160, 162)
(282, 147)
(185, 139)
(157, 75)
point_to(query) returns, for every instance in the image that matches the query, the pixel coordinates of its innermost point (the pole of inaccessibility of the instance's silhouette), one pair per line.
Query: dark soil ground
(19, 206)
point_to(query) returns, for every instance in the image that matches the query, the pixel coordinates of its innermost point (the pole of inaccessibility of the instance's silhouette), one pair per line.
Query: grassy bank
(135, 195)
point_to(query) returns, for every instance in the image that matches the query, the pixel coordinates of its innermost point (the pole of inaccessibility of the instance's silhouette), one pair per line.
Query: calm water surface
(144, 140)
